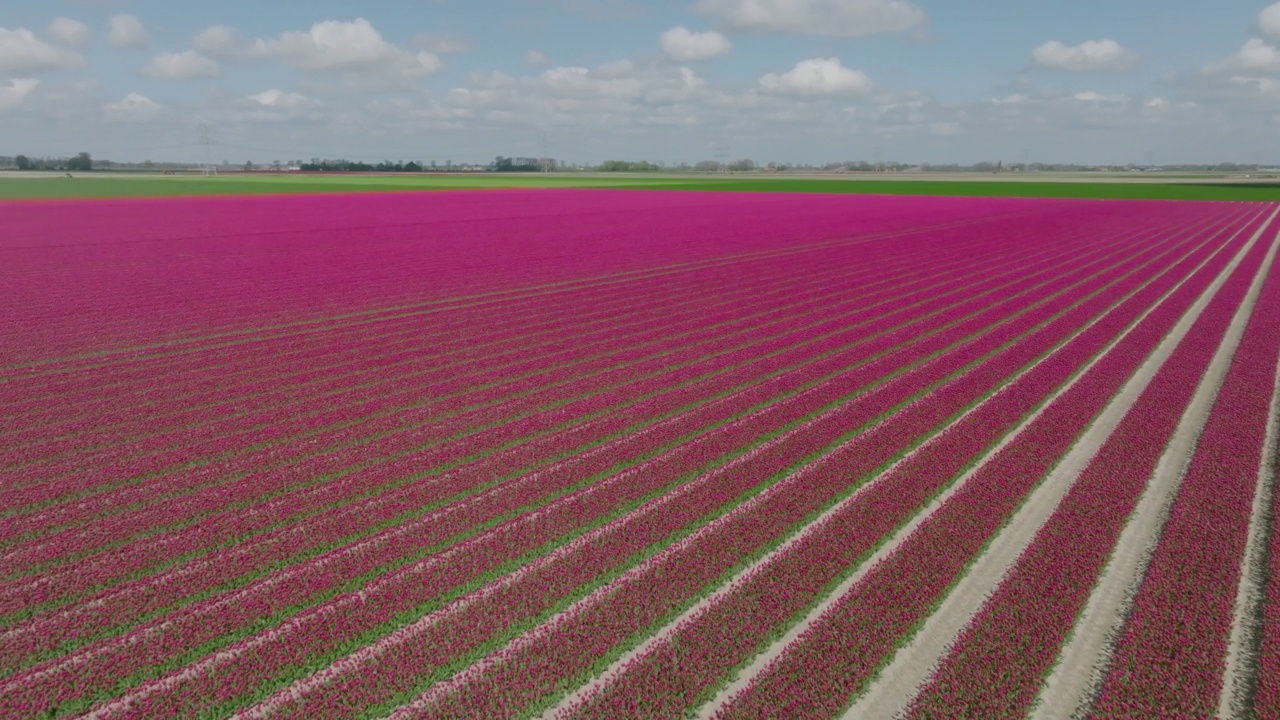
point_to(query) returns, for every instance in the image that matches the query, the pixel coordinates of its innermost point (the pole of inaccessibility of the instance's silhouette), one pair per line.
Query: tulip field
(623, 453)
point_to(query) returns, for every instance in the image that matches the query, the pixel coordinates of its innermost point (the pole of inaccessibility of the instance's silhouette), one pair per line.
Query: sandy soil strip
(761, 565)
(1240, 677)
(913, 664)
(1083, 662)
(1083, 447)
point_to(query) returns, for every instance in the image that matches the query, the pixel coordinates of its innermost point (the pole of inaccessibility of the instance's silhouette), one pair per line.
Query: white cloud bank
(352, 47)
(131, 108)
(22, 52)
(441, 44)
(1269, 21)
(126, 31)
(12, 94)
(1090, 56)
(280, 99)
(827, 18)
(686, 46)
(1256, 56)
(68, 32)
(188, 65)
(819, 76)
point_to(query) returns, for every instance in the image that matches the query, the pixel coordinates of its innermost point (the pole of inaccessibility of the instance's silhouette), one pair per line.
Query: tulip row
(289, 343)
(681, 460)
(837, 655)
(545, 361)
(249, 374)
(251, 368)
(389, 506)
(849, 464)
(690, 662)
(1032, 612)
(284, 274)
(352, 492)
(205, 526)
(536, 363)
(321, 626)
(21, 399)
(1170, 656)
(1266, 698)
(660, 587)
(595, 351)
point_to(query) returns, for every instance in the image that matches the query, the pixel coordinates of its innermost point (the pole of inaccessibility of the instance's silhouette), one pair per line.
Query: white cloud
(126, 31)
(1089, 56)
(12, 95)
(1269, 21)
(187, 65)
(828, 18)
(440, 44)
(1096, 97)
(339, 45)
(132, 108)
(819, 76)
(66, 31)
(22, 52)
(686, 46)
(944, 129)
(280, 99)
(536, 57)
(1011, 99)
(338, 56)
(218, 41)
(1256, 56)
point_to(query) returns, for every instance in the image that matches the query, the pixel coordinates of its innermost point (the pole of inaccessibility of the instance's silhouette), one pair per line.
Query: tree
(80, 163)
(23, 162)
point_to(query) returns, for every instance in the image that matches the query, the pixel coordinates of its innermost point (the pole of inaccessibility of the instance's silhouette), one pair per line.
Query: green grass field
(15, 186)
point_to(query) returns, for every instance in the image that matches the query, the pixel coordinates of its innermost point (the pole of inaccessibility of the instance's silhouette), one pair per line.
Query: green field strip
(1101, 186)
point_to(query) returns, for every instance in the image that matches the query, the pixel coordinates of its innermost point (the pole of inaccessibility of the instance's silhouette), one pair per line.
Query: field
(639, 452)
(1130, 186)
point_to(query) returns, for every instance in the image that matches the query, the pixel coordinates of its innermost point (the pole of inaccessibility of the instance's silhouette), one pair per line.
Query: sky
(810, 81)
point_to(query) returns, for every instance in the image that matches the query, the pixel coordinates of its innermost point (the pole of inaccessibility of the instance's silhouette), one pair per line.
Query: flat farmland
(623, 453)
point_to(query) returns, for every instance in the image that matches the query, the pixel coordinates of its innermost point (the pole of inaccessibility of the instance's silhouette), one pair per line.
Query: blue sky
(667, 80)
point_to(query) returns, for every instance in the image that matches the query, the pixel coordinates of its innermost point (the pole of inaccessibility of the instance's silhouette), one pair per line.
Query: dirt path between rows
(913, 664)
(1240, 676)
(766, 657)
(1082, 665)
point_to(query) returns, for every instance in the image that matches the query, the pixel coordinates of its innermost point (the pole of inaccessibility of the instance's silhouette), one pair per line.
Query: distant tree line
(82, 162)
(385, 166)
(520, 164)
(627, 166)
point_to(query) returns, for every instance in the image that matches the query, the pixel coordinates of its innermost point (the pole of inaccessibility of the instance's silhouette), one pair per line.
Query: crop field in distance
(820, 449)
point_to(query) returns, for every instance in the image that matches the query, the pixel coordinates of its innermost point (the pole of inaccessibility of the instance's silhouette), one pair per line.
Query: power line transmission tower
(722, 157)
(546, 154)
(208, 141)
